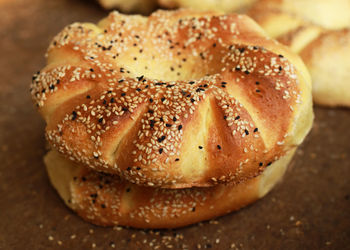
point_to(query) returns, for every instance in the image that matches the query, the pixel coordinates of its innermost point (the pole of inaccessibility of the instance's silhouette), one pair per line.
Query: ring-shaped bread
(178, 99)
(107, 200)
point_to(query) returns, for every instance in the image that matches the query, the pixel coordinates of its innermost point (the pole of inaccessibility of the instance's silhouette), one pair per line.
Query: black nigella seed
(74, 115)
(162, 138)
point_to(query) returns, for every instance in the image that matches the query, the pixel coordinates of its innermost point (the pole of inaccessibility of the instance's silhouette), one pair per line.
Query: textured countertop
(309, 210)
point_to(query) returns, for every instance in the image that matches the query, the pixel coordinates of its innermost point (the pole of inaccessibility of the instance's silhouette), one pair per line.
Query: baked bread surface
(179, 99)
(107, 200)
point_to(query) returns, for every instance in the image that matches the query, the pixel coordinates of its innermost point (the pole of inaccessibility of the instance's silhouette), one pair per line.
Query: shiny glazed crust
(106, 200)
(179, 99)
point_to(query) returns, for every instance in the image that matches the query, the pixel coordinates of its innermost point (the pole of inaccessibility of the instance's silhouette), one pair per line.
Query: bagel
(107, 200)
(179, 99)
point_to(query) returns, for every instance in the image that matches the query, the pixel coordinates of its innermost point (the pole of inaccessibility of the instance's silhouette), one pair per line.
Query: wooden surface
(309, 210)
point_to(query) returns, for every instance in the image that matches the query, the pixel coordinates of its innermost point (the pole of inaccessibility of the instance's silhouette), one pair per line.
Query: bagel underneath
(107, 200)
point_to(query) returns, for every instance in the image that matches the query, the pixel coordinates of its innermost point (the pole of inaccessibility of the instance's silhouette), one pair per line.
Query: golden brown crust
(106, 200)
(226, 105)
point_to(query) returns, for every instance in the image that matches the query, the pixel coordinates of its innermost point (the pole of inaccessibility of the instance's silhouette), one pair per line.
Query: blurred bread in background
(320, 32)
(147, 6)
(215, 5)
(127, 6)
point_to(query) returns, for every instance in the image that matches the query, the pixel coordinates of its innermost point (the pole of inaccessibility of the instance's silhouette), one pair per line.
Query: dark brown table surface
(309, 210)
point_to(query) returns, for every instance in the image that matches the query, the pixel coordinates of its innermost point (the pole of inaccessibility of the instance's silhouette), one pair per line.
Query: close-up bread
(107, 200)
(179, 99)
(172, 124)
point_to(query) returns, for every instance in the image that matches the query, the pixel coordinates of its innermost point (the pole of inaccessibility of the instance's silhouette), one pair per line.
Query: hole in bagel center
(168, 66)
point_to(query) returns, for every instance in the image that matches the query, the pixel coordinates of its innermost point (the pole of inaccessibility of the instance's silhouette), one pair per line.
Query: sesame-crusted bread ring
(106, 200)
(179, 99)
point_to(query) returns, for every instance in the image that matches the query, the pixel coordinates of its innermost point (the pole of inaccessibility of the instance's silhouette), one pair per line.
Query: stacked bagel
(171, 119)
